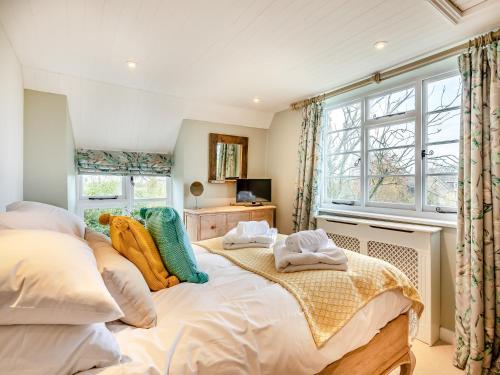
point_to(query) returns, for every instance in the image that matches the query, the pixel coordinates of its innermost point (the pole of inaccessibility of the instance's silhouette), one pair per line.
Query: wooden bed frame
(388, 350)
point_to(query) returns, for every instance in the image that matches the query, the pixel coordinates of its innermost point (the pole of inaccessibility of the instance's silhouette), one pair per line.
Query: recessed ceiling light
(380, 44)
(131, 64)
(256, 100)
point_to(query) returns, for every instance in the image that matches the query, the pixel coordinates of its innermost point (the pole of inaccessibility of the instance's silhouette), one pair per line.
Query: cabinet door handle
(212, 227)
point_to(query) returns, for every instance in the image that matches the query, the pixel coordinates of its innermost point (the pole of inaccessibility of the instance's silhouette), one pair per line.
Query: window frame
(419, 209)
(425, 143)
(125, 201)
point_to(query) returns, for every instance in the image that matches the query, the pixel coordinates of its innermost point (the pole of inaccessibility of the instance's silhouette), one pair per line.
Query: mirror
(227, 157)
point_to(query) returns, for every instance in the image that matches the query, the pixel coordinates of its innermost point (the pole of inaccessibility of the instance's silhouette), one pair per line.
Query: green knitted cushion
(168, 232)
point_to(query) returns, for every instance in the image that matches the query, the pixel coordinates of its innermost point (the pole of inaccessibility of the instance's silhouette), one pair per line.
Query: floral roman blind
(123, 163)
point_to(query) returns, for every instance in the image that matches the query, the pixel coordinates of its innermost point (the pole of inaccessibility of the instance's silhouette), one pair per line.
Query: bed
(241, 323)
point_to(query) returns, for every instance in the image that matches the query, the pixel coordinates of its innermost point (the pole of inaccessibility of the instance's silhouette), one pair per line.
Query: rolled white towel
(290, 261)
(308, 241)
(232, 240)
(252, 228)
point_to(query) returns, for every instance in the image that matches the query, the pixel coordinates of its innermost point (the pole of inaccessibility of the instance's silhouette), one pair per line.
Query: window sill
(388, 217)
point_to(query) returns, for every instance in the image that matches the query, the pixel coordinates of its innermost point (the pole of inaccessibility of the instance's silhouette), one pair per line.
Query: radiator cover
(414, 249)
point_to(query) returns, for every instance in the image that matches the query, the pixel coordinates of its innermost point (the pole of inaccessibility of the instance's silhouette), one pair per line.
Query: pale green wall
(49, 174)
(191, 162)
(11, 124)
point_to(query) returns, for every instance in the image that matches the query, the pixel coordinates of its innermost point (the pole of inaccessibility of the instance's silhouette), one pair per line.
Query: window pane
(392, 136)
(338, 188)
(343, 165)
(443, 126)
(392, 189)
(444, 158)
(148, 187)
(392, 161)
(442, 190)
(138, 205)
(344, 141)
(101, 186)
(346, 117)
(91, 218)
(444, 93)
(393, 103)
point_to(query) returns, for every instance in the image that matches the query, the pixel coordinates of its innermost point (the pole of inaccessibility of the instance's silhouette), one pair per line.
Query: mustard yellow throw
(329, 299)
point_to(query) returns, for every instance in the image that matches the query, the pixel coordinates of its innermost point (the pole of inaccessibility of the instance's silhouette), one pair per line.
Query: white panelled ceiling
(209, 59)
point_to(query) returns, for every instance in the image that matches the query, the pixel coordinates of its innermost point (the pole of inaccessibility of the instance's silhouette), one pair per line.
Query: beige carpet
(433, 360)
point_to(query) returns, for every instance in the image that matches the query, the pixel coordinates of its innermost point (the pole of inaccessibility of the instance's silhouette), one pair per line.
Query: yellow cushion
(134, 242)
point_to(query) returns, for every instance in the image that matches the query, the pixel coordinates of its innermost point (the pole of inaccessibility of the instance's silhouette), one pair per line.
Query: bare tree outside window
(390, 146)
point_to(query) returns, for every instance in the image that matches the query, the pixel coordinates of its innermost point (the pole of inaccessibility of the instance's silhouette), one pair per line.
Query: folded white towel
(235, 246)
(291, 261)
(308, 241)
(252, 228)
(232, 240)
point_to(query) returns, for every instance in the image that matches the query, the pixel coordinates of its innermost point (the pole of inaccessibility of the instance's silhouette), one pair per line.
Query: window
(441, 137)
(396, 149)
(343, 158)
(119, 195)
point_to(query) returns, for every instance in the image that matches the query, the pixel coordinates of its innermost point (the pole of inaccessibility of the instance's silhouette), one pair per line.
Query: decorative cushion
(41, 349)
(36, 215)
(133, 241)
(51, 278)
(124, 282)
(167, 230)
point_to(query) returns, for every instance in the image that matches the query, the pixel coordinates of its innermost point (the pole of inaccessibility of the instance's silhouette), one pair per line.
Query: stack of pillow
(53, 301)
(60, 282)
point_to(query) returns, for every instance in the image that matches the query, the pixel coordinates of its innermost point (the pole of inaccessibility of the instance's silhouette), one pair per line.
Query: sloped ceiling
(208, 59)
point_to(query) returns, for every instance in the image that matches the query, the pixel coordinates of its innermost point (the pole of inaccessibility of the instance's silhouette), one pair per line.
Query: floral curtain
(477, 318)
(307, 196)
(122, 163)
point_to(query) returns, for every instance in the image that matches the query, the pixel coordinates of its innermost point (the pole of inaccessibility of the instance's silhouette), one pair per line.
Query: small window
(441, 140)
(149, 187)
(391, 104)
(100, 186)
(343, 153)
(119, 195)
(149, 191)
(391, 163)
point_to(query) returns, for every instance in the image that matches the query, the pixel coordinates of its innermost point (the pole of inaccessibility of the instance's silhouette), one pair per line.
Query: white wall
(11, 124)
(191, 162)
(49, 174)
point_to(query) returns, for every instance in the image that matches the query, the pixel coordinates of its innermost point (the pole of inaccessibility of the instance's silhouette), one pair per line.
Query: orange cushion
(134, 242)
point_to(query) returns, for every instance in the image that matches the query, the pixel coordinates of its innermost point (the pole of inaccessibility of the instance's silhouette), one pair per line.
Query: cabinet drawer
(267, 215)
(233, 219)
(212, 226)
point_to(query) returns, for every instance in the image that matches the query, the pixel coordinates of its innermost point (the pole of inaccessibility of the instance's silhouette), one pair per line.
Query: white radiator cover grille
(404, 258)
(414, 249)
(345, 242)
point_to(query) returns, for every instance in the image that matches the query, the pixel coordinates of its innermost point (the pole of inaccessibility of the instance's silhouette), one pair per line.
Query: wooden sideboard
(213, 222)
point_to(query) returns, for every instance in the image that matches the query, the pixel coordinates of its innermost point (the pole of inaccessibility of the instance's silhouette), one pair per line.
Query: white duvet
(239, 323)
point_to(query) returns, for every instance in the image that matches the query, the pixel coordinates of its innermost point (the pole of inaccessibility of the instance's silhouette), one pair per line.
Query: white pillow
(124, 281)
(36, 215)
(56, 349)
(51, 278)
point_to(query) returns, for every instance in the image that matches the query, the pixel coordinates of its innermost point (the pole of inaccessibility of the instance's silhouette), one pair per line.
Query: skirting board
(447, 335)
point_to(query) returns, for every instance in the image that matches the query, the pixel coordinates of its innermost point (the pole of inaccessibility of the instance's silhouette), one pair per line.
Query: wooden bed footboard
(388, 350)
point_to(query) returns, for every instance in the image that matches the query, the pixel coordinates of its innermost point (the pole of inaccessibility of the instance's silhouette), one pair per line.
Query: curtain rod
(390, 73)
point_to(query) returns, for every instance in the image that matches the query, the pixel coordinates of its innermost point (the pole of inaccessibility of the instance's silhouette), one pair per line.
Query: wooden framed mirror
(227, 157)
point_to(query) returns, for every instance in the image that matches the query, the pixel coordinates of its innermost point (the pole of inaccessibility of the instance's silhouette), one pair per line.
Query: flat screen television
(253, 190)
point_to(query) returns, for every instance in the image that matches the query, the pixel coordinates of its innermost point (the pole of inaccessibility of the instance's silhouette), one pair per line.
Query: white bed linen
(239, 323)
